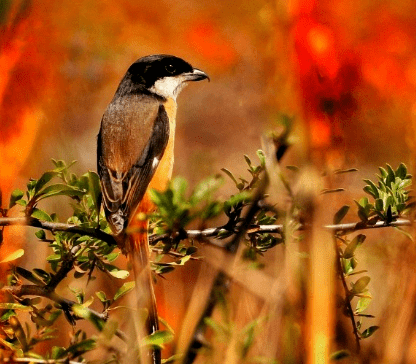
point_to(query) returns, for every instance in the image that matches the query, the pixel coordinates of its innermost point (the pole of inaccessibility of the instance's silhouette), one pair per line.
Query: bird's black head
(161, 75)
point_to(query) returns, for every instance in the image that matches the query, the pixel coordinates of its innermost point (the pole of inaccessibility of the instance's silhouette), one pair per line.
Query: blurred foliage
(85, 255)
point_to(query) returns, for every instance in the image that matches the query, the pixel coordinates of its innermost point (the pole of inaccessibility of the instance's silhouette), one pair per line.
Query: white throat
(169, 87)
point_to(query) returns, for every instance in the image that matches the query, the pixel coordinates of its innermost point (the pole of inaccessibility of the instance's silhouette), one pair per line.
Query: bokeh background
(345, 71)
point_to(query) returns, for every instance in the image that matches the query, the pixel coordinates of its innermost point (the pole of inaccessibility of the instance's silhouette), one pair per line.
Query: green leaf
(370, 331)
(85, 313)
(340, 354)
(340, 214)
(15, 306)
(58, 352)
(40, 234)
(28, 275)
(340, 171)
(121, 274)
(44, 179)
(334, 190)
(94, 188)
(158, 339)
(101, 296)
(248, 161)
(60, 189)
(401, 171)
(41, 215)
(262, 157)
(13, 256)
(371, 188)
(390, 175)
(360, 285)
(6, 315)
(293, 168)
(229, 174)
(350, 249)
(112, 256)
(15, 196)
(53, 258)
(81, 347)
(125, 288)
(379, 205)
(383, 172)
(363, 303)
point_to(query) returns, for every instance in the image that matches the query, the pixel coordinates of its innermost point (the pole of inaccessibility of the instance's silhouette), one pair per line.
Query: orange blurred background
(345, 70)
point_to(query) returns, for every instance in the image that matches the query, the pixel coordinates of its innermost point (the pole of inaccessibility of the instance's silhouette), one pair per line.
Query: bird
(135, 149)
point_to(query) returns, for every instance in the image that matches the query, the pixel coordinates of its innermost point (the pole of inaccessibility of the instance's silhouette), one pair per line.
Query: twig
(190, 234)
(58, 226)
(39, 361)
(34, 290)
(347, 292)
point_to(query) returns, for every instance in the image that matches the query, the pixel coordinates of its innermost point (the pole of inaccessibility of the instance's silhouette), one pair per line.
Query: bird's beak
(196, 75)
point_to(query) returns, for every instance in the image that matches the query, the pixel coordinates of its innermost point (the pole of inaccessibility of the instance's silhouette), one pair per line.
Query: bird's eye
(170, 68)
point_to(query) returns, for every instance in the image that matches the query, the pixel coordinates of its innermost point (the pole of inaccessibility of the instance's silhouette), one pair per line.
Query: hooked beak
(196, 75)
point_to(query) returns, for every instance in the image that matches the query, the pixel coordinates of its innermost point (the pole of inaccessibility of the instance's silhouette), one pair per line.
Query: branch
(34, 290)
(347, 292)
(39, 361)
(191, 234)
(58, 226)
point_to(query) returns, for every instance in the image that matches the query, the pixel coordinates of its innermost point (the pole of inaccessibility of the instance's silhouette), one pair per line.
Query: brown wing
(133, 136)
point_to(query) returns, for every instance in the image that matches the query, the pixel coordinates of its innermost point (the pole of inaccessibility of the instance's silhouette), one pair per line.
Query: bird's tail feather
(138, 253)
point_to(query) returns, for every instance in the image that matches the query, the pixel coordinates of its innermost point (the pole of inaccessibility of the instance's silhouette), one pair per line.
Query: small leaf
(101, 296)
(340, 354)
(248, 161)
(15, 306)
(15, 196)
(13, 256)
(40, 234)
(58, 352)
(340, 171)
(401, 171)
(41, 215)
(53, 258)
(44, 179)
(158, 339)
(334, 190)
(363, 303)
(293, 168)
(360, 285)
(121, 274)
(340, 214)
(94, 188)
(370, 331)
(60, 189)
(85, 313)
(350, 249)
(262, 157)
(125, 288)
(28, 275)
(229, 174)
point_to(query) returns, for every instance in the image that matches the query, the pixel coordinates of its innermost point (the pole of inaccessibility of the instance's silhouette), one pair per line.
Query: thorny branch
(191, 234)
(35, 290)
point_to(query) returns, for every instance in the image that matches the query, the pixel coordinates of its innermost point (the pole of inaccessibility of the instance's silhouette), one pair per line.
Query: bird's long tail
(138, 253)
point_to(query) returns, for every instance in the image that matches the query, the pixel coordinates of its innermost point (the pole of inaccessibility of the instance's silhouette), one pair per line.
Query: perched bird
(135, 154)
